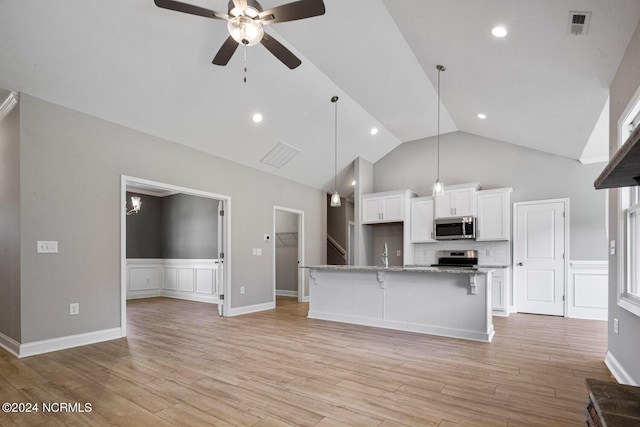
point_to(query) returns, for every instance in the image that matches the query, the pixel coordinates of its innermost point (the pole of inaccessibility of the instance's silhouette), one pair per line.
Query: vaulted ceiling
(150, 69)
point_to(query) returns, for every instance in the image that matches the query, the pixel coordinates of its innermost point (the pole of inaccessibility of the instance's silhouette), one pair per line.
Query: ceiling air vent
(579, 23)
(280, 155)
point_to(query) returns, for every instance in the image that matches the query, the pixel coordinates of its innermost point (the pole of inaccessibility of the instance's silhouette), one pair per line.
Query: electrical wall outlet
(241, 290)
(47, 247)
(398, 252)
(612, 247)
(616, 326)
(74, 309)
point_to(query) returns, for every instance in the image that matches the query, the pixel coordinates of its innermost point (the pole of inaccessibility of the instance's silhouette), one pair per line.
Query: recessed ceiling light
(481, 116)
(257, 118)
(499, 31)
(374, 131)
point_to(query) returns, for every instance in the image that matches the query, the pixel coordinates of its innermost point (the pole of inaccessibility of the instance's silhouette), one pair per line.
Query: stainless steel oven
(458, 228)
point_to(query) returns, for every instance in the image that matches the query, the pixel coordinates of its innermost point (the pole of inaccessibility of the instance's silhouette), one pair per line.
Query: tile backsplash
(489, 253)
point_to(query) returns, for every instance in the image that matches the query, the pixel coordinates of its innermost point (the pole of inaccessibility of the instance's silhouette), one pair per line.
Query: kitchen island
(450, 302)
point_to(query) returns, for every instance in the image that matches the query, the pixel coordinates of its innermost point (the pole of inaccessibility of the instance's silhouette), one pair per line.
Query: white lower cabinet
(500, 291)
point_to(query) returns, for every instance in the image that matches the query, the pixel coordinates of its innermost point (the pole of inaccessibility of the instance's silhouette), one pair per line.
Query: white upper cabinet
(390, 206)
(457, 200)
(421, 220)
(494, 214)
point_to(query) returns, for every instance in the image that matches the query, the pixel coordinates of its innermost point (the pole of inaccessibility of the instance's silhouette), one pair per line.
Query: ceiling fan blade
(190, 9)
(226, 52)
(280, 52)
(292, 11)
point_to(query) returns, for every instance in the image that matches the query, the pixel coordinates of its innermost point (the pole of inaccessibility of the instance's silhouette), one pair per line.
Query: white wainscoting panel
(588, 289)
(204, 281)
(195, 280)
(185, 279)
(143, 278)
(170, 278)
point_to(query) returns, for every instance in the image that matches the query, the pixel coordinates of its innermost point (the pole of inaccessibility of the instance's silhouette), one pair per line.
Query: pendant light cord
(439, 71)
(335, 138)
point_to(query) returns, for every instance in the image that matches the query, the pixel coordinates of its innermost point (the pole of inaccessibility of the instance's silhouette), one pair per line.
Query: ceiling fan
(245, 20)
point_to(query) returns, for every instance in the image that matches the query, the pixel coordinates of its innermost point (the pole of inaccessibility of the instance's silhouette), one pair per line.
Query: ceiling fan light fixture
(245, 30)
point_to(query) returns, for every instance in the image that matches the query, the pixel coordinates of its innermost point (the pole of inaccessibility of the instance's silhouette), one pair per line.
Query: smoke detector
(579, 23)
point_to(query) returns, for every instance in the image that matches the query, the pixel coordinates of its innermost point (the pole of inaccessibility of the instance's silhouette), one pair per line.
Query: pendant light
(438, 186)
(335, 197)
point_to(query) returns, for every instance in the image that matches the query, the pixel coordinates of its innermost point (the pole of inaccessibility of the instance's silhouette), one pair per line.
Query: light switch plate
(74, 309)
(47, 247)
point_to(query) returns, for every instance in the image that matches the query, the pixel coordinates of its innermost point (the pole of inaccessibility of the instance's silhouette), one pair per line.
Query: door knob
(519, 264)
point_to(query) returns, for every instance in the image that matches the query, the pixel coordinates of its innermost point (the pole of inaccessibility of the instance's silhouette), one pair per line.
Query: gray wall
(144, 229)
(77, 202)
(534, 175)
(10, 225)
(364, 173)
(189, 227)
(625, 347)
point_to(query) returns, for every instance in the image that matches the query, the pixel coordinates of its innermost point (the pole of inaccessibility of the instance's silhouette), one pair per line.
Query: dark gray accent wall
(189, 227)
(144, 229)
(180, 226)
(10, 225)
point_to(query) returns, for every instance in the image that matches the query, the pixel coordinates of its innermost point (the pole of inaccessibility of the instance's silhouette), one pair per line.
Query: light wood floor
(183, 365)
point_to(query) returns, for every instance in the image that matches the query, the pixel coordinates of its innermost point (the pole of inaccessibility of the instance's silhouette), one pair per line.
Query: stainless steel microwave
(458, 228)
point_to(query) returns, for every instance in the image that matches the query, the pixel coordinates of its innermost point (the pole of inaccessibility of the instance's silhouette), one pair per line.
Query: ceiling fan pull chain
(245, 62)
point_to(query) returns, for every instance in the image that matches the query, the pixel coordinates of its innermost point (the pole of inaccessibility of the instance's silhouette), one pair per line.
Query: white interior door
(539, 256)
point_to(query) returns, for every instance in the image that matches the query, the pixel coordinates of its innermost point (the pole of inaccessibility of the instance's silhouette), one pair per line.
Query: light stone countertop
(410, 269)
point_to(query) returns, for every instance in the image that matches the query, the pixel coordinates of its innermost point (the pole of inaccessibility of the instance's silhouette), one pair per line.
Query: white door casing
(301, 275)
(540, 256)
(225, 283)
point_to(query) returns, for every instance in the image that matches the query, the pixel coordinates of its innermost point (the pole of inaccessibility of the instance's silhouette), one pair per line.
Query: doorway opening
(288, 256)
(202, 279)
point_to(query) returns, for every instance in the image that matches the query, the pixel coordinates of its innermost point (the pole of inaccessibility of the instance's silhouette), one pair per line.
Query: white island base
(427, 300)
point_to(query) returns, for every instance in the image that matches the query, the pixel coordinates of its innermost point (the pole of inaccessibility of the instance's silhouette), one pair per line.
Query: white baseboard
(617, 370)
(189, 296)
(144, 294)
(305, 299)
(55, 344)
(286, 293)
(9, 344)
(251, 309)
